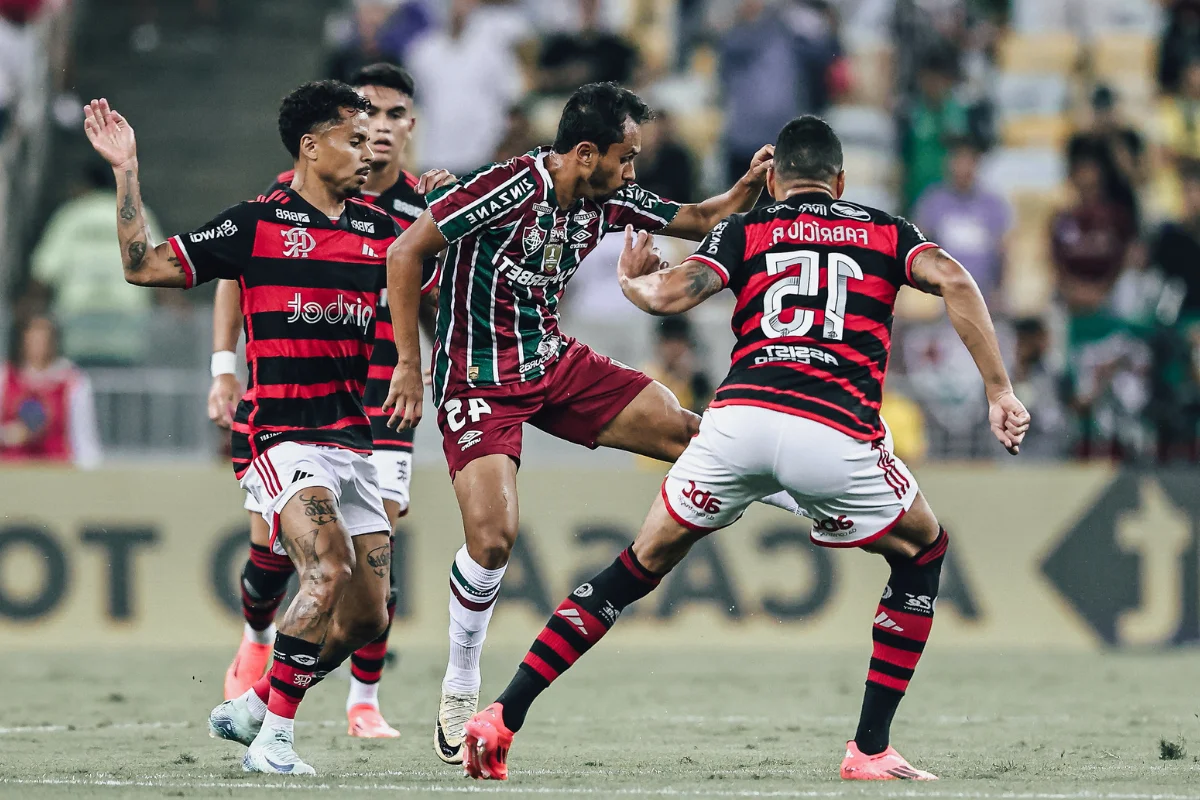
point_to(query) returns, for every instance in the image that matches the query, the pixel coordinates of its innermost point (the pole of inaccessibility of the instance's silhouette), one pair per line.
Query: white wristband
(224, 362)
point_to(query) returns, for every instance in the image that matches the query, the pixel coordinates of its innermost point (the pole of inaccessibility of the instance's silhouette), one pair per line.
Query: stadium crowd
(1052, 147)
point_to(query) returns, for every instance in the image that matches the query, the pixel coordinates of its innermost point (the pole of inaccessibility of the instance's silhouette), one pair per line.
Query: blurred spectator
(816, 26)
(1117, 147)
(519, 136)
(382, 30)
(468, 79)
(76, 272)
(147, 32)
(1109, 362)
(1175, 251)
(665, 165)
(1090, 241)
(942, 378)
(675, 364)
(932, 119)
(1040, 386)
(1179, 117)
(589, 55)
(1180, 42)
(47, 410)
(906, 423)
(762, 81)
(970, 221)
(17, 41)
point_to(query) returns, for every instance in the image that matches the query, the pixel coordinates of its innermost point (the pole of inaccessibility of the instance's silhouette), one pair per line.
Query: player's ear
(587, 154)
(771, 182)
(308, 147)
(839, 185)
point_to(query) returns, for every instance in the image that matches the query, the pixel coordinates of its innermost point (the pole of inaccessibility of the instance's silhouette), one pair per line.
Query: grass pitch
(638, 723)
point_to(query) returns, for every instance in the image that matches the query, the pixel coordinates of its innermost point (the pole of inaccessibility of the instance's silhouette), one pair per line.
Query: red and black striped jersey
(404, 205)
(816, 282)
(310, 286)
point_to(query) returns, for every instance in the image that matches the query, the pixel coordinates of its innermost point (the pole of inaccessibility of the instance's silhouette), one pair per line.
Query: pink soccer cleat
(248, 666)
(485, 745)
(367, 723)
(886, 766)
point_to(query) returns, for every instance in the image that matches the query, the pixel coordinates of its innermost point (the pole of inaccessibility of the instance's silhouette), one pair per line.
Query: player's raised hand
(639, 256)
(434, 179)
(406, 396)
(222, 399)
(1009, 421)
(110, 134)
(761, 162)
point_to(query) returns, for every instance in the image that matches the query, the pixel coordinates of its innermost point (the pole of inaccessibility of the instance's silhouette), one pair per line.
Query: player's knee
(490, 543)
(326, 580)
(368, 625)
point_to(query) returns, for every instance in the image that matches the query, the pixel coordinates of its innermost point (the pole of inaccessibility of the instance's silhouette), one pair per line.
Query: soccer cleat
(886, 766)
(367, 723)
(248, 666)
(453, 714)
(232, 720)
(486, 741)
(273, 753)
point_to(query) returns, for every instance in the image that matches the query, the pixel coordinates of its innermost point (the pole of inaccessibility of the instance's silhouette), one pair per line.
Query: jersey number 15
(841, 269)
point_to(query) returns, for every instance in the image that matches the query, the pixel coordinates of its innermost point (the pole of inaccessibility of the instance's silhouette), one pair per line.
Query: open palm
(109, 133)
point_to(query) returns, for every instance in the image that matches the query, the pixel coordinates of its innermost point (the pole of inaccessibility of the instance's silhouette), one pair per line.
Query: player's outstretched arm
(695, 220)
(936, 272)
(225, 391)
(659, 289)
(422, 240)
(145, 264)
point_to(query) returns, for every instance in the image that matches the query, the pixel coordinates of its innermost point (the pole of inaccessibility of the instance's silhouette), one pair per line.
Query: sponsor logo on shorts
(583, 591)
(704, 502)
(470, 438)
(834, 528)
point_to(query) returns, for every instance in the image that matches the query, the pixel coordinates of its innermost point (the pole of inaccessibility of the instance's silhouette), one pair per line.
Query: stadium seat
(1054, 52)
(1012, 169)
(1117, 55)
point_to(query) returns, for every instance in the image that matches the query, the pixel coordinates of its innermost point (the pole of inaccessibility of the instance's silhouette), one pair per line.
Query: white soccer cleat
(232, 720)
(273, 753)
(452, 718)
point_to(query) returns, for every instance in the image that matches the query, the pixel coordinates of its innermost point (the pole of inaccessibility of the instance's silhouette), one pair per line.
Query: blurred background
(1053, 146)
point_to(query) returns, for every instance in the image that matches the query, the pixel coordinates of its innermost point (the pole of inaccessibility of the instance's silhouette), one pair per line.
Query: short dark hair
(675, 328)
(313, 105)
(387, 75)
(808, 149)
(597, 113)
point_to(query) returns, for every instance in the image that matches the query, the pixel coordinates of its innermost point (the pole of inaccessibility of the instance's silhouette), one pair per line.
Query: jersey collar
(814, 196)
(318, 219)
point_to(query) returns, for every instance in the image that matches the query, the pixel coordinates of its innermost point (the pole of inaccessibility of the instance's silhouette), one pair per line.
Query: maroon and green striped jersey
(512, 251)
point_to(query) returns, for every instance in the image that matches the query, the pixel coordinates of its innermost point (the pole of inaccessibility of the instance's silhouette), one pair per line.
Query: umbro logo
(300, 475)
(886, 622)
(369, 251)
(469, 438)
(572, 616)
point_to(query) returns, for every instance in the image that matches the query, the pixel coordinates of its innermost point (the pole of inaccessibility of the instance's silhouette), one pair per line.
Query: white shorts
(395, 473)
(854, 491)
(287, 468)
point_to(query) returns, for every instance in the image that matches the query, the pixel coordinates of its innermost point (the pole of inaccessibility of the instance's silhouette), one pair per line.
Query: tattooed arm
(145, 263)
(659, 289)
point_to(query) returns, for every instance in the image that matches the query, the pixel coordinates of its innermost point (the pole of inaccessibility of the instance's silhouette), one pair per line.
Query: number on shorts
(476, 408)
(841, 269)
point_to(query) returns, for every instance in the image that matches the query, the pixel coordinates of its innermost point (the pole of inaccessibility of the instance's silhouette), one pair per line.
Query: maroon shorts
(578, 395)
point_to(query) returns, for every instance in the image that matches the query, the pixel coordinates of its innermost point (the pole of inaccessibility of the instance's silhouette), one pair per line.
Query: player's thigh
(311, 532)
(362, 609)
(915, 531)
(663, 540)
(260, 532)
(486, 489)
(652, 424)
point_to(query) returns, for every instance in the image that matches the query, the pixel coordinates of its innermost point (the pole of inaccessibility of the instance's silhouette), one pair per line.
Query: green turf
(628, 724)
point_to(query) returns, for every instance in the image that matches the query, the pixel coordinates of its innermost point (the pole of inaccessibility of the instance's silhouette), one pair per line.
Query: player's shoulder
(366, 217)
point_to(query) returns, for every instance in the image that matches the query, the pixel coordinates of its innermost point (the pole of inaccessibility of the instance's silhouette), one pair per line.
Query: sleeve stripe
(908, 260)
(185, 259)
(453, 192)
(433, 279)
(715, 265)
(639, 210)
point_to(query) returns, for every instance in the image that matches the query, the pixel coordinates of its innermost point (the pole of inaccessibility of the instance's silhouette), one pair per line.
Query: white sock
(275, 722)
(785, 501)
(257, 707)
(468, 626)
(362, 694)
(265, 636)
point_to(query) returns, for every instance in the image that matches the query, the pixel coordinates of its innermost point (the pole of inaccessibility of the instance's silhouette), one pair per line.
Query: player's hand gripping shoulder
(656, 287)
(434, 179)
(695, 220)
(935, 272)
(145, 264)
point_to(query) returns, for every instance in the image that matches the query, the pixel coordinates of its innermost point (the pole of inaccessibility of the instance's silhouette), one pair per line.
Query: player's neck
(319, 195)
(806, 188)
(383, 178)
(567, 184)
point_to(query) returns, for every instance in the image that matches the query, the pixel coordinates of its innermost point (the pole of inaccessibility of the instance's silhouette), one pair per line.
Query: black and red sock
(902, 624)
(577, 624)
(366, 663)
(293, 672)
(264, 584)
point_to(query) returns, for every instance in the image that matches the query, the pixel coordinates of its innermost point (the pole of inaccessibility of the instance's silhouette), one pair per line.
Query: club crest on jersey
(298, 243)
(532, 239)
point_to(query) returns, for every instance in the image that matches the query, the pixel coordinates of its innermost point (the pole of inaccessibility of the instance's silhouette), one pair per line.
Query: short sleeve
(909, 243)
(218, 249)
(641, 208)
(724, 249)
(487, 198)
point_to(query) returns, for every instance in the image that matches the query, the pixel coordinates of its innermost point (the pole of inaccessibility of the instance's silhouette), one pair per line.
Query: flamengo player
(516, 233)
(389, 91)
(816, 282)
(310, 262)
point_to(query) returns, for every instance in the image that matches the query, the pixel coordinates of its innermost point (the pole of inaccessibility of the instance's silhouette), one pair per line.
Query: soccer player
(516, 233)
(816, 281)
(389, 92)
(310, 262)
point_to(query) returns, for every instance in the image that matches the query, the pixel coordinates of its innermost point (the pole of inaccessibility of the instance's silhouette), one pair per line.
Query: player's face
(614, 169)
(342, 153)
(391, 121)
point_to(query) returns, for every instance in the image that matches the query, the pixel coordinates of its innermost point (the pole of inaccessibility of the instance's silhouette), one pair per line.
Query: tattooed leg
(361, 614)
(320, 547)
